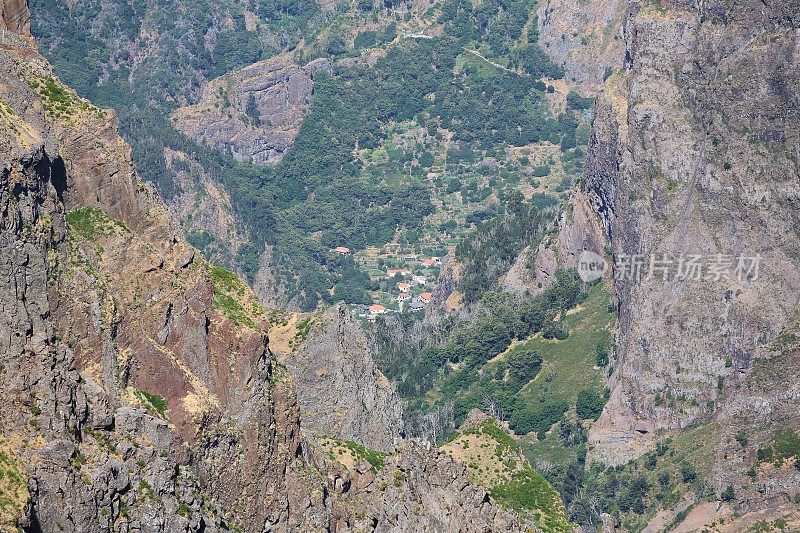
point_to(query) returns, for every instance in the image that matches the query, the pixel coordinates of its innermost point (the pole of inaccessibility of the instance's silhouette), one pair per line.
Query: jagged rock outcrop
(340, 390)
(15, 17)
(132, 398)
(694, 151)
(253, 113)
(584, 36)
(419, 488)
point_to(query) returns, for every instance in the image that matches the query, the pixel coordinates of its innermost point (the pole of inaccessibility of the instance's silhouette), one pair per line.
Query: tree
(688, 473)
(601, 355)
(252, 111)
(589, 404)
(728, 494)
(524, 365)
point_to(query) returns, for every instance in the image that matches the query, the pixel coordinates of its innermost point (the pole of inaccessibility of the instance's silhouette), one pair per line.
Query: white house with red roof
(426, 297)
(403, 286)
(377, 309)
(404, 296)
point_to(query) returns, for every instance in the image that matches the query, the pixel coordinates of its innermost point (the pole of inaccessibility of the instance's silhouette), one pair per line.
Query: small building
(377, 309)
(426, 297)
(429, 263)
(393, 272)
(416, 306)
(410, 257)
(342, 250)
(403, 286)
(420, 280)
(404, 296)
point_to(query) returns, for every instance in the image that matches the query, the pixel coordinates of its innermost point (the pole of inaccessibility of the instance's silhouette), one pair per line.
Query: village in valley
(406, 280)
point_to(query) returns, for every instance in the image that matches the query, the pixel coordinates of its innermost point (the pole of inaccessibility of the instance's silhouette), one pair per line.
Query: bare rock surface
(694, 151)
(584, 36)
(253, 113)
(340, 390)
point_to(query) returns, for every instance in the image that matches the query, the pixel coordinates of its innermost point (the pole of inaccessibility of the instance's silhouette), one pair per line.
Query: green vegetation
(467, 369)
(59, 101)
(324, 193)
(493, 247)
(495, 462)
(13, 488)
(784, 447)
(91, 223)
(233, 298)
(636, 491)
(359, 452)
(303, 329)
(528, 490)
(589, 404)
(153, 402)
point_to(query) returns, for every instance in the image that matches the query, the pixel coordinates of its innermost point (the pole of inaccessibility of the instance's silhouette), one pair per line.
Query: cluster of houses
(418, 303)
(404, 287)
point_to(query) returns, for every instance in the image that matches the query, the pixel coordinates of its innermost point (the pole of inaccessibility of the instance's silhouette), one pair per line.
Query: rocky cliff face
(14, 16)
(418, 488)
(694, 151)
(139, 389)
(254, 113)
(139, 393)
(356, 402)
(584, 36)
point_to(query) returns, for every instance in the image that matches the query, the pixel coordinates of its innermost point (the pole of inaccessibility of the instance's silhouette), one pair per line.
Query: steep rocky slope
(254, 113)
(132, 368)
(584, 36)
(357, 402)
(694, 151)
(139, 391)
(14, 16)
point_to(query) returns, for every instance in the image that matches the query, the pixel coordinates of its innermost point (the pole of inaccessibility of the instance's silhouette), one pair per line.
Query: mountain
(139, 391)
(694, 151)
(349, 291)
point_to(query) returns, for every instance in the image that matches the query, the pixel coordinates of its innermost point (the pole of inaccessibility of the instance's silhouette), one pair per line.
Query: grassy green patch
(91, 223)
(569, 366)
(495, 461)
(529, 491)
(785, 446)
(153, 402)
(303, 329)
(59, 101)
(373, 457)
(13, 490)
(232, 298)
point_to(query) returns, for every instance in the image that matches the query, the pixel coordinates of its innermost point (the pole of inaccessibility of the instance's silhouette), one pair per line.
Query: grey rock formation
(280, 91)
(694, 151)
(585, 36)
(340, 390)
(420, 489)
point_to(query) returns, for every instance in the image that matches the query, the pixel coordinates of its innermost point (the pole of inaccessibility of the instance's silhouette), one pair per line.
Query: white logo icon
(591, 266)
